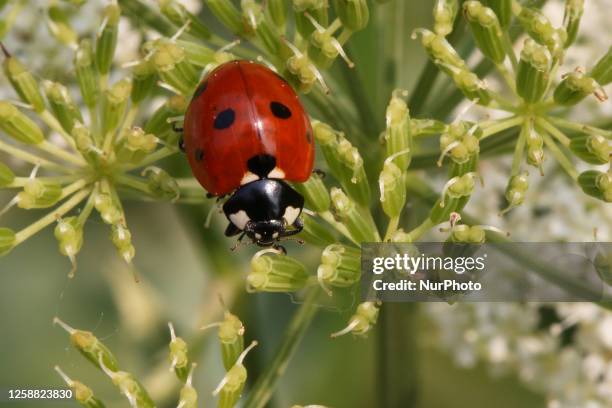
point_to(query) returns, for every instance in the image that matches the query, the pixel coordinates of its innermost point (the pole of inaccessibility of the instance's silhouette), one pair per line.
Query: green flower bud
(122, 239)
(469, 235)
(340, 267)
(161, 184)
(486, 29)
(39, 194)
(362, 321)
(275, 273)
(90, 347)
(62, 105)
(316, 233)
(158, 124)
(85, 144)
(179, 358)
(575, 87)
(533, 71)
(106, 41)
(516, 189)
(59, 26)
(143, 80)
(359, 223)
(440, 51)
(129, 386)
(7, 240)
(460, 142)
(277, 10)
(82, 393)
(174, 68)
(426, 127)
(227, 14)
(69, 234)
(231, 336)
(594, 149)
(324, 48)
(602, 71)
(354, 14)
(596, 184)
(188, 396)
(109, 210)
(18, 126)
(353, 177)
(392, 189)
(474, 88)
(134, 145)
(398, 138)
(179, 16)
(535, 148)
(302, 73)
(23, 82)
(344, 162)
(571, 19)
(455, 195)
(86, 74)
(230, 388)
(315, 193)
(542, 31)
(6, 175)
(114, 102)
(444, 14)
(317, 9)
(502, 9)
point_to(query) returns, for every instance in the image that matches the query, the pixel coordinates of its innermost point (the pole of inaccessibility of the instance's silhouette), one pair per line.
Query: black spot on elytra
(279, 110)
(262, 164)
(199, 154)
(225, 119)
(200, 89)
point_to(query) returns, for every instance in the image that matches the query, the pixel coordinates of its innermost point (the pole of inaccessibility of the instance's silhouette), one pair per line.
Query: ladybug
(246, 134)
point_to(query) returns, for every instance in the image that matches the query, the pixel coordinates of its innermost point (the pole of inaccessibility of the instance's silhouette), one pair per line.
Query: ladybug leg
(319, 173)
(280, 248)
(210, 195)
(176, 127)
(181, 144)
(232, 230)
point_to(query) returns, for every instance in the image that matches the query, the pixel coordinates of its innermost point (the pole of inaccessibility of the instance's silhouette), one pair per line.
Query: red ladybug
(246, 133)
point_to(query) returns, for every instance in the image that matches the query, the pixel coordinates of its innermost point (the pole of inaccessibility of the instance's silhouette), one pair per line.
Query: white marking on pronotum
(291, 214)
(239, 219)
(248, 177)
(276, 173)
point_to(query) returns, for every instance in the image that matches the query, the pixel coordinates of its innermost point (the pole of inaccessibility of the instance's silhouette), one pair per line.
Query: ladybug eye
(279, 110)
(225, 119)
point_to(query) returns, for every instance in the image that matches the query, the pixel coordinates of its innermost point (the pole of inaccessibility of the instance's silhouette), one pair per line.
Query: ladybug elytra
(247, 134)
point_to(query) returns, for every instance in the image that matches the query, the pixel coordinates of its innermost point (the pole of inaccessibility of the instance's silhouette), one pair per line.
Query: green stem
(133, 182)
(391, 227)
(31, 158)
(48, 219)
(421, 229)
(500, 125)
(507, 77)
(152, 158)
(265, 385)
(579, 127)
(22, 181)
(329, 217)
(519, 149)
(561, 158)
(60, 153)
(554, 132)
(53, 123)
(510, 50)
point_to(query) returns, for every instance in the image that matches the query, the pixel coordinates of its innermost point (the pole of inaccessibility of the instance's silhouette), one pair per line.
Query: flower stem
(265, 385)
(52, 122)
(152, 158)
(554, 132)
(60, 153)
(31, 158)
(561, 158)
(45, 221)
(579, 127)
(391, 227)
(519, 150)
(500, 125)
(329, 217)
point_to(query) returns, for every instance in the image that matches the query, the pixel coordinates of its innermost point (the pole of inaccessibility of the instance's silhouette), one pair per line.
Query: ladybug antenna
(6, 53)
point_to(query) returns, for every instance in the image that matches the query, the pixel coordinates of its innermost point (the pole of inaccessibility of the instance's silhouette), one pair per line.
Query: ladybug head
(265, 210)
